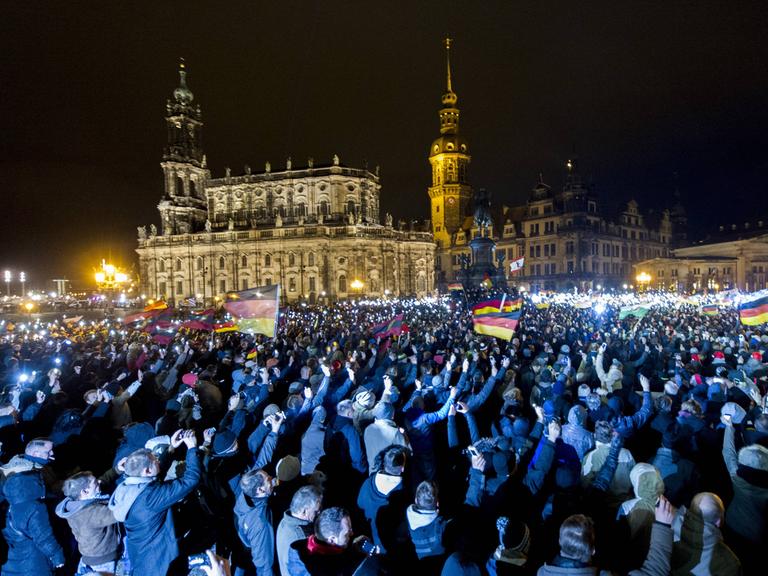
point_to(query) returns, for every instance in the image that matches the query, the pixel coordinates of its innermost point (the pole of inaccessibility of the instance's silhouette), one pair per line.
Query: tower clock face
(451, 201)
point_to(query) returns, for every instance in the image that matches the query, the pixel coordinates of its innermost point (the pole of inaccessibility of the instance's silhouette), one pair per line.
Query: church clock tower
(449, 194)
(183, 207)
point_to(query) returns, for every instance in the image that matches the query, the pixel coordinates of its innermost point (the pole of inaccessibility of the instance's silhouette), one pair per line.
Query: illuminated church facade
(314, 229)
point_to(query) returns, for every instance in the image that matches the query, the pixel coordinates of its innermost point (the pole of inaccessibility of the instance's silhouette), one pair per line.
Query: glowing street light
(23, 280)
(643, 280)
(8, 277)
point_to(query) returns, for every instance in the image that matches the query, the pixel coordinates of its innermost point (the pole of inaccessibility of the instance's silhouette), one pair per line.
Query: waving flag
(710, 310)
(516, 265)
(754, 310)
(456, 287)
(393, 327)
(638, 311)
(201, 320)
(255, 310)
(159, 305)
(497, 318)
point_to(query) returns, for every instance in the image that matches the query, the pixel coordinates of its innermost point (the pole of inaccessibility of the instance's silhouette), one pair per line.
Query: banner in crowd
(455, 287)
(255, 310)
(710, 310)
(497, 318)
(393, 327)
(516, 265)
(159, 305)
(637, 310)
(754, 311)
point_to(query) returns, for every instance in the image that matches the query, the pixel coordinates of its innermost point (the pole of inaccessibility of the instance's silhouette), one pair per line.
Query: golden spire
(448, 61)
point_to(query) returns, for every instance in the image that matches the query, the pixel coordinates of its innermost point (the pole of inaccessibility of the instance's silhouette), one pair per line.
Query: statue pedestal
(483, 267)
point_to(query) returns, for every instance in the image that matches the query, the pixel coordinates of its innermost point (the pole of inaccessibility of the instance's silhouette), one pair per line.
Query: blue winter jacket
(32, 547)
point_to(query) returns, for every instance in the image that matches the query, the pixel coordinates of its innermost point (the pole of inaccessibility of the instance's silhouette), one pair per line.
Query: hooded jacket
(144, 505)
(426, 528)
(95, 528)
(32, 547)
(575, 434)
(640, 511)
(611, 380)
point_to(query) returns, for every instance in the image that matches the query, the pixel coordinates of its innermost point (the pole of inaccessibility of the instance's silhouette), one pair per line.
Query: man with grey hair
(297, 522)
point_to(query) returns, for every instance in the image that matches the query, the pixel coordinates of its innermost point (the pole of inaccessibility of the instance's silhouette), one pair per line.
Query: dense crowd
(587, 443)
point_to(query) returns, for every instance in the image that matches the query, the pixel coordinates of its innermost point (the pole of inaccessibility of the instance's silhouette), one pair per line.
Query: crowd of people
(585, 444)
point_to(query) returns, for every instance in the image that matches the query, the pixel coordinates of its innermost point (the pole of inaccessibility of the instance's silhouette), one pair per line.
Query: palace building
(315, 229)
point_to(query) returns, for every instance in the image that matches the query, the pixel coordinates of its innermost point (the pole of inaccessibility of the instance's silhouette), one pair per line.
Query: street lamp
(29, 306)
(8, 277)
(357, 286)
(109, 279)
(23, 279)
(643, 280)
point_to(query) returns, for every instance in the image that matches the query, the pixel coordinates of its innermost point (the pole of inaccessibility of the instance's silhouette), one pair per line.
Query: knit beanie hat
(365, 399)
(671, 388)
(513, 534)
(271, 409)
(584, 391)
(287, 468)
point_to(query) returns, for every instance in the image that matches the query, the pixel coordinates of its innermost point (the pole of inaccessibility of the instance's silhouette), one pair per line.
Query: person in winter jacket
(32, 547)
(575, 434)
(93, 525)
(381, 498)
(425, 524)
(312, 442)
(611, 380)
(382, 433)
(594, 460)
(252, 514)
(297, 522)
(699, 546)
(747, 515)
(143, 503)
(639, 512)
(330, 551)
(680, 475)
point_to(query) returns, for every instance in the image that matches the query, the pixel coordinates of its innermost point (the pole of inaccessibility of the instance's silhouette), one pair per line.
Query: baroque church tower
(450, 194)
(183, 207)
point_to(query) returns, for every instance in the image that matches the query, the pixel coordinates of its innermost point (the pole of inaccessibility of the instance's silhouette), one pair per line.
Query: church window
(267, 260)
(192, 188)
(311, 259)
(437, 209)
(179, 288)
(312, 284)
(342, 283)
(450, 146)
(222, 262)
(350, 207)
(161, 265)
(268, 281)
(199, 263)
(324, 208)
(244, 261)
(179, 186)
(163, 288)
(222, 286)
(178, 264)
(292, 284)
(244, 284)
(291, 259)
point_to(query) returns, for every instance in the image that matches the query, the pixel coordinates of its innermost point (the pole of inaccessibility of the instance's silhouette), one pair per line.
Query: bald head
(709, 506)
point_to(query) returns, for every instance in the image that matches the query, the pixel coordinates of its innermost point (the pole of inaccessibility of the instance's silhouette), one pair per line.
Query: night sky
(638, 90)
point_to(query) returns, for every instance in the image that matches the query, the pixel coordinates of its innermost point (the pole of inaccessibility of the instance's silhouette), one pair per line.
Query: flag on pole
(225, 327)
(753, 310)
(72, 319)
(455, 287)
(392, 327)
(255, 310)
(497, 318)
(516, 265)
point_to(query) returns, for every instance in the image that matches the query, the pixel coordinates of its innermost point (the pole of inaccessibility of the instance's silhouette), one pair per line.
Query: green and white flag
(637, 310)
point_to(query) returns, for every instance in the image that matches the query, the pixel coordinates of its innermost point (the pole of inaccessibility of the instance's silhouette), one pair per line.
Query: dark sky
(639, 90)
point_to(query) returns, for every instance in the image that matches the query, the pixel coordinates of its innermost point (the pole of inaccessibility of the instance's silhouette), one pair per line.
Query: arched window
(222, 262)
(268, 281)
(350, 207)
(324, 208)
(267, 260)
(244, 261)
(199, 263)
(178, 265)
(311, 259)
(301, 209)
(342, 283)
(192, 188)
(291, 259)
(161, 265)
(179, 186)
(292, 284)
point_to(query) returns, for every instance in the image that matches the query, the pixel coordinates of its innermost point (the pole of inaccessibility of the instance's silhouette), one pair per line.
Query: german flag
(754, 311)
(256, 309)
(225, 327)
(456, 287)
(710, 310)
(497, 318)
(159, 305)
